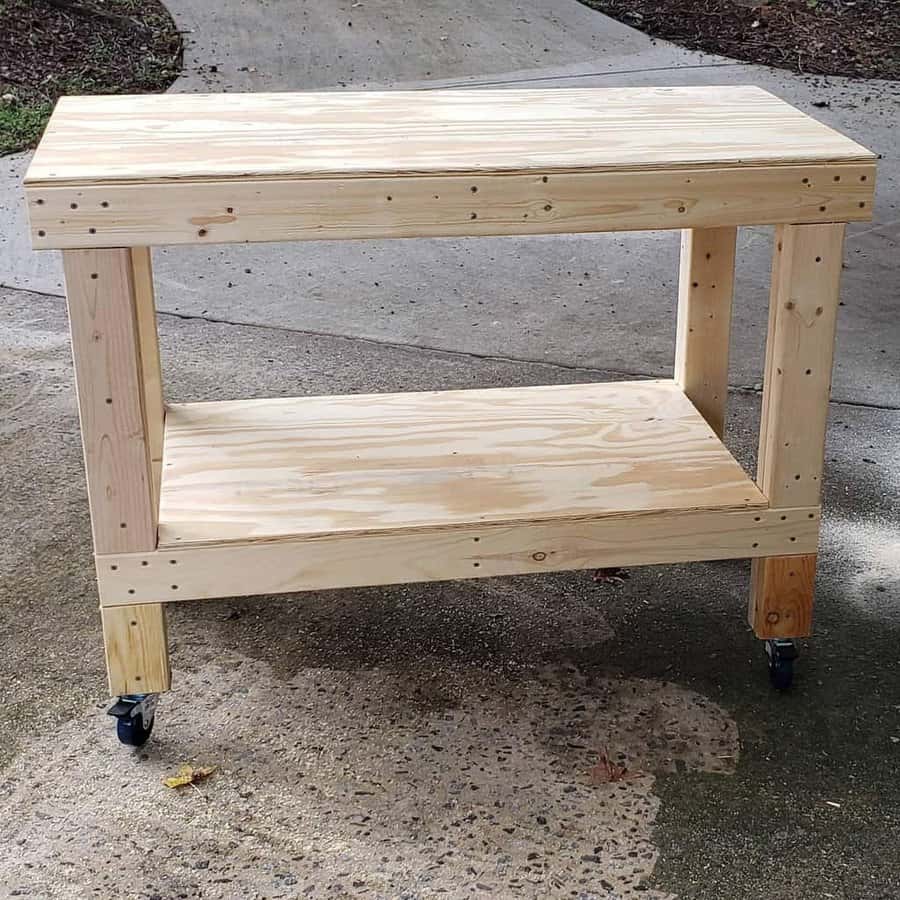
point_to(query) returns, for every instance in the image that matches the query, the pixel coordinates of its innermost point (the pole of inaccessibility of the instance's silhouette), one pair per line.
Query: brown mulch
(859, 38)
(53, 47)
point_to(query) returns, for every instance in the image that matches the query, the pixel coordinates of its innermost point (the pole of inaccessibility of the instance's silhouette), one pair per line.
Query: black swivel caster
(781, 653)
(134, 714)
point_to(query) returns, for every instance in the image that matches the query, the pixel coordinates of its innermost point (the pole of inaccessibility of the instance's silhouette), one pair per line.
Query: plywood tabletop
(387, 463)
(170, 137)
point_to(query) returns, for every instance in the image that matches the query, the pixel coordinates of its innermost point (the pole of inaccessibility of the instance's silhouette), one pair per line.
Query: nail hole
(172, 562)
(476, 565)
(783, 518)
(473, 215)
(114, 568)
(40, 202)
(863, 177)
(94, 275)
(174, 587)
(473, 189)
(862, 205)
(793, 539)
(809, 371)
(73, 206)
(837, 177)
(109, 400)
(548, 207)
(476, 539)
(818, 259)
(133, 623)
(137, 677)
(122, 525)
(695, 284)
(796, 478)
(806, 181)
(104, 203)
(755, 544)
(201, 232)
(390, 197)
(545, 179)
(229, 209)
(42, 233)
(757, 518)
(680, 209)
(144, 562)
(791, 574)
(821, 209)
(130, 590)
(92, 230)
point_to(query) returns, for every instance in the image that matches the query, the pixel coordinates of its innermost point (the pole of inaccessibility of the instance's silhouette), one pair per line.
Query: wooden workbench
(227, 498)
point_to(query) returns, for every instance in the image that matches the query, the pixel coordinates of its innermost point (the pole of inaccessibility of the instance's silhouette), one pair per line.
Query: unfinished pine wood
(262, 469)
(799, 347)
(705, 290)
(450, 205)
(781, 595)
(151, 374)
(100, 293)
(271, 567)
(345, 133)
(797, 380)
(137, 658)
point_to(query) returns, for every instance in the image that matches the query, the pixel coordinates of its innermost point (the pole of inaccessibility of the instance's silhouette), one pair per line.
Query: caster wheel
(133, 732)
(134, 715)
(781, 653)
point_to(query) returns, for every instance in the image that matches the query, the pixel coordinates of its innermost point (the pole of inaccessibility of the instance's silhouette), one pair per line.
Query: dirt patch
(859, 38)
(49, 48)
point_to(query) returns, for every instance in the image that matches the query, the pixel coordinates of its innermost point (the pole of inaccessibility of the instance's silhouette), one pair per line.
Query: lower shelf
(273, 496)
(370, 464)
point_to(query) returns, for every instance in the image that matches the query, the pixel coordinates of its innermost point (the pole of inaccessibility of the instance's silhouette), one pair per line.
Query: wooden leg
(802, 317)
(137, 652)
(151, 373)
(706, 286)
(119, 419)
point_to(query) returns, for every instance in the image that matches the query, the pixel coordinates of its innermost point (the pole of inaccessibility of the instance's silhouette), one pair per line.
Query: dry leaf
(606, 771)
(188, 775)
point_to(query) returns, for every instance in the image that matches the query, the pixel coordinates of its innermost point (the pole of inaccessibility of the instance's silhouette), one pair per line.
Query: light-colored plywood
(432, 206)
(151, 375)
(250, 469)
(706, 286)
(137, 659)
(799, 347)
(235, 136)
(100, 293)
(270, 567)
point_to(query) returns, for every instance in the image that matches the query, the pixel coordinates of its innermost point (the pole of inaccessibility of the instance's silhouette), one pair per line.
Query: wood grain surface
(262, 469)
(197, 136)
(272, 567)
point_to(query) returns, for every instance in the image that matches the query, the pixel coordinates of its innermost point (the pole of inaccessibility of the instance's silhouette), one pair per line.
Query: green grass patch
(21, 126)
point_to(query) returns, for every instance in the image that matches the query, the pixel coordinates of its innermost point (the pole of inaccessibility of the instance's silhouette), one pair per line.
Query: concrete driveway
(443, 740)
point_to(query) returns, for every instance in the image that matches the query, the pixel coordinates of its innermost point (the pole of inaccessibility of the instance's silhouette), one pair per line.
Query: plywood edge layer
(208, 572)
(539, 201)
(676, 167)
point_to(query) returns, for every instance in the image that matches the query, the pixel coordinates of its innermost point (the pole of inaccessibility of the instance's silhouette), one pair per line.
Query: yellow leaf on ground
(188, 775)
